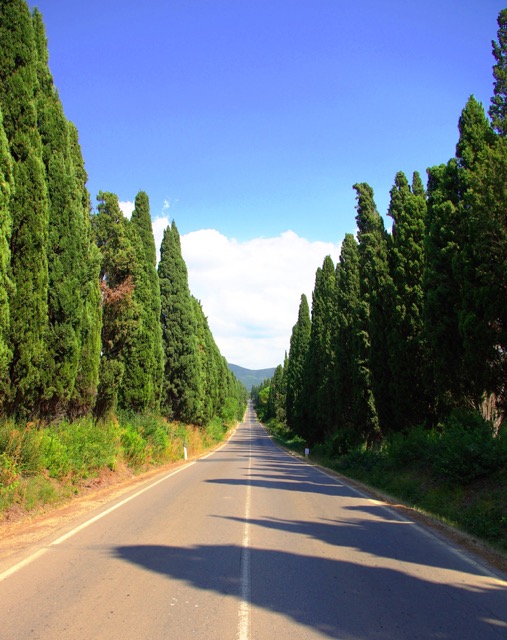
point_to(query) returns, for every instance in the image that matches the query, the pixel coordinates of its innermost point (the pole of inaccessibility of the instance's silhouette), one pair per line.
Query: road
(249, 543)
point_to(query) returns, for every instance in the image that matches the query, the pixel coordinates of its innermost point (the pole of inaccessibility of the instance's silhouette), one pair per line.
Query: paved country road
(249, 543)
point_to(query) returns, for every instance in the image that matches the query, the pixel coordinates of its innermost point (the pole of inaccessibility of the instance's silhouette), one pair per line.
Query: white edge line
(421, 529)
(73, 532)
(26, 561)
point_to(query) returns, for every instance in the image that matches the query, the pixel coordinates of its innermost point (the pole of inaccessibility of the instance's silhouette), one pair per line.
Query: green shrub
(216, 430)
(10, 475)
(133, 446)
(417, 448)
(467, 449)
(79, 449)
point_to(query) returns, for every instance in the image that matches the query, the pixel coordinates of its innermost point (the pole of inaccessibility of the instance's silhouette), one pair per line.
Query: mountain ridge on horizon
(251, 377)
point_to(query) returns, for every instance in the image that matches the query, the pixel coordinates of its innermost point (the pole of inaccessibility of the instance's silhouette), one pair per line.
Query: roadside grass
(44, 466)
(457, 473)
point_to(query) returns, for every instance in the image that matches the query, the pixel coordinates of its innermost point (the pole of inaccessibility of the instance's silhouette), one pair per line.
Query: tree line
(89, 324)
(410, 326)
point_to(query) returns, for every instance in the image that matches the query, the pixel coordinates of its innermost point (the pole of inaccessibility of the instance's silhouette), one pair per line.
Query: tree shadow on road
(334, 598)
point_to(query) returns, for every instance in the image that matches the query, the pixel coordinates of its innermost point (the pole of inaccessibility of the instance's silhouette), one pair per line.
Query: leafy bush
(216, 430)
(133, 447)
(10, 475)
(467, 449)
(79, 449)
(417, 448)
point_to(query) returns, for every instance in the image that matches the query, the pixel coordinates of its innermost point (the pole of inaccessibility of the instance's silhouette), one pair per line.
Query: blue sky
(254, 118)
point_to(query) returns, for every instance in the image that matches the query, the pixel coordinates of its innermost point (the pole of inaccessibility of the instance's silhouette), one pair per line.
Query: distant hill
(251, 377)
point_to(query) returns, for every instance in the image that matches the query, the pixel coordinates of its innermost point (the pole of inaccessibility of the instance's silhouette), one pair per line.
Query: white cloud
(159, 225)
(250, 291)
(127, 208)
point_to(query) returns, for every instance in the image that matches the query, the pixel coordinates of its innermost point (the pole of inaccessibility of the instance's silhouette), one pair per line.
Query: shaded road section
(251, 543)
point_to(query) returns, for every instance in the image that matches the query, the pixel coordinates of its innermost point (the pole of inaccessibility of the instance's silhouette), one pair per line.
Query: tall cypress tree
(120, 310)
(141, 219)
(69, 246)
(408, 358)
(141, 384)
(451, 268)
(483, 318)
(320, 364)
(208, 382)
(180, 392)
(298, 352)
(498, 107)
(29, 209)
(90, 325)
(376, 288)
(6, 185)
(348, 289)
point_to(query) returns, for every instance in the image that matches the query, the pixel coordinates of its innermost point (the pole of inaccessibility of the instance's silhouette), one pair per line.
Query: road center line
(244, 605)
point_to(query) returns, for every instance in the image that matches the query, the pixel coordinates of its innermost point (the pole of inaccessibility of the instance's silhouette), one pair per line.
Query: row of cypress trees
(411, 325)
(87, 323)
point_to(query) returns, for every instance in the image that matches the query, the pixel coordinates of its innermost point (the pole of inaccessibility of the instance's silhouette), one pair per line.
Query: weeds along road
(249, 542)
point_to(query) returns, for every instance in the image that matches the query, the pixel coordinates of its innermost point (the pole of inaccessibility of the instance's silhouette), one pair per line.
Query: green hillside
(251, 377)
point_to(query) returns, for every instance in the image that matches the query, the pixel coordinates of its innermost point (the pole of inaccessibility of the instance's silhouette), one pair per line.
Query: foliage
(183, 384)
(141, 385)
(300, 338)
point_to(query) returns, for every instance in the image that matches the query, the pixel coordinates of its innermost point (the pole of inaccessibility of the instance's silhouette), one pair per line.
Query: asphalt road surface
(249, 543)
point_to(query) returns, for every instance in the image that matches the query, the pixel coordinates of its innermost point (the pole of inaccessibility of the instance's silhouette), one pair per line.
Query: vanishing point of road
(249, 543)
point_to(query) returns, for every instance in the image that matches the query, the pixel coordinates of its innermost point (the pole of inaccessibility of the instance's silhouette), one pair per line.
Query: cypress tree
(298, 352)
(498, 107)
(346, 348)
(451, 268)
(374, 383)
(483, 319)
(69, 245)
(408, 358)
(320, 366)
(141, 383)
(6, 186)
(208, 382)
(180, 392)
(90, 325)
(120, 310)
(29, 209)
(141, 219)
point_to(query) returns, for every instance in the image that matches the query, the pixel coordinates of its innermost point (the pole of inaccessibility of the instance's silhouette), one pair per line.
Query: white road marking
(244, 605)
(66, 536)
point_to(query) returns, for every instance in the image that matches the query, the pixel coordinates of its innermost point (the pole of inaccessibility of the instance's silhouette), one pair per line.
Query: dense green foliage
(81, 318)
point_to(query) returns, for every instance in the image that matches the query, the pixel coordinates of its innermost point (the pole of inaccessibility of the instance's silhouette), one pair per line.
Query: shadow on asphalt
(332, 596)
